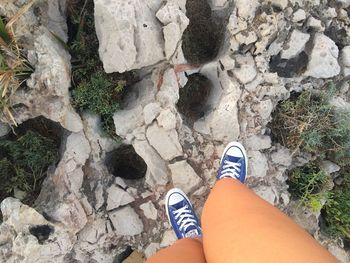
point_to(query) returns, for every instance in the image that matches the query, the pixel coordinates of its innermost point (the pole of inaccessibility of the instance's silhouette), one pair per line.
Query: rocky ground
(248, 56)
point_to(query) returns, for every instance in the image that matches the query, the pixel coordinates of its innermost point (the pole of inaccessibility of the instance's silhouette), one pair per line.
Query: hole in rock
(41, 232)
(193, 97)
(124, 162)
(25, 155)
(204, 35)
(289, 68)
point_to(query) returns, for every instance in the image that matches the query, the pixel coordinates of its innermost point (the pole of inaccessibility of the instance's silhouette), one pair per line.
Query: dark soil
(41, 232)
(203, 37)
(289, 68)
(124, 162)
(193, 97)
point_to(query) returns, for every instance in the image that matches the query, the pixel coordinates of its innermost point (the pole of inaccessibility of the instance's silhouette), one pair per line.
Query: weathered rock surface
(21, 239)
(126, 222)
(96, 215)
(136, 40)
(117, 197)
(296, 44)
(165, 142)
(149, 210)
(172, 15)
(323, 59)
(345, 60)
(184, 177)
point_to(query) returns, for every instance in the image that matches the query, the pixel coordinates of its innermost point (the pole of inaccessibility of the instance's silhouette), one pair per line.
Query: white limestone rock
(172, 36)
(151, 111)
(167, 120)
(247, 9)
(168, 94)
(126, 222)
(126, 121)
(156, 168)
(323, 61)
(258, 142)
(223, 100)
(246, 37)
(245, 70)
(315, 24)
(282, 156)
(20, 244)
(117, 197)
(184, 177)
(175, 22)
(149, 210)
(48, 87)
(258, 165)
(299, 15)
(296, 44)
(165, 142)
(345, 60)
(129, 34)
(264, 109)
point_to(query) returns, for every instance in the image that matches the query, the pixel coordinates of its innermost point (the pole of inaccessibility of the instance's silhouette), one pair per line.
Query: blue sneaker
(234, 162)
(181, 214)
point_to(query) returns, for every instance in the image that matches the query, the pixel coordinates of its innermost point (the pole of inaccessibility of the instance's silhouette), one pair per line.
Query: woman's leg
(240, 227)
(186, 250)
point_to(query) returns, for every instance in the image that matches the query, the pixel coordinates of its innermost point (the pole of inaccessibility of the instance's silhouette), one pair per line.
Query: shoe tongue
(192, 233)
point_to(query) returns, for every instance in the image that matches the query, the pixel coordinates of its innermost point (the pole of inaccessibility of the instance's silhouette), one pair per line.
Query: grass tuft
(337, 211)
(14, 67)
(93, 90)
(308, 122)
(307, 184)
(23, 164)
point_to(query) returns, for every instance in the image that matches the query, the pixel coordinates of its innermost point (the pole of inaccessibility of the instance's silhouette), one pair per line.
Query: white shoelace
(230, 170)
(184, 218)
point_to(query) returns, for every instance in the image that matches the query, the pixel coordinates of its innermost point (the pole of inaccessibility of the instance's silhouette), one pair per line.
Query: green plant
(307, 184)
(98, 95)
(93, 89)
(308, 122)
(337, 210)
(24, 163)
(14, 66)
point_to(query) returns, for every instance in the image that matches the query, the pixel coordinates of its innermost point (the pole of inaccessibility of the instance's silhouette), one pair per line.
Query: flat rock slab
(324, 58)
(129, 34)
(126, 222)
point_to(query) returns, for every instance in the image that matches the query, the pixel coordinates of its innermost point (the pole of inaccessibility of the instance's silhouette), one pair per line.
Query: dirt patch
(41, 232)
(204, 35)
(124, 162)
(289, 68)
(193, 98)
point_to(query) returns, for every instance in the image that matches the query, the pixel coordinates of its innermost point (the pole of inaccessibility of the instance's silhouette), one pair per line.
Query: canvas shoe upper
(234, 162)
(181, 214)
